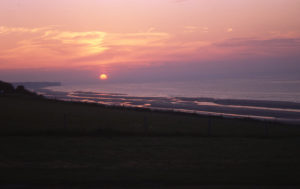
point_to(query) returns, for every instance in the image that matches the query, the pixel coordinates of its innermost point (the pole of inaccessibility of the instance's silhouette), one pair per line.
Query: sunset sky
(148, 40)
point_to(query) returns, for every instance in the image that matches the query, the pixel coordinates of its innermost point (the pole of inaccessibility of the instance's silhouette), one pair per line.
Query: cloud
(8, 30)
(249, 48)
(229, 30)
(54, 47)
(190, 29)
(51, 47)
(280, 34)
(136, 39)
(274, 42)
(47, 46)
(205, 29)
(91, 42)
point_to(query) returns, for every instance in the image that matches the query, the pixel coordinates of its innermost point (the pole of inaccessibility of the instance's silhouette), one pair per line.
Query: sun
(103, 77)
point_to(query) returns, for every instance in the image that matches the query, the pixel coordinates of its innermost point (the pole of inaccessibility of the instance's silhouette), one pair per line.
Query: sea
(265, 98)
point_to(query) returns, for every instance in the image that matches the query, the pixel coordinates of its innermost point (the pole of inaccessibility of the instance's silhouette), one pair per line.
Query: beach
(272, 108)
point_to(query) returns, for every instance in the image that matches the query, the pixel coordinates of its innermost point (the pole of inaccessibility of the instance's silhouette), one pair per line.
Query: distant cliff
(37, 85)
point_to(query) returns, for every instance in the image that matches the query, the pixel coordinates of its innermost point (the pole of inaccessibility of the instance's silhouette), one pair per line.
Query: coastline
(266, 110)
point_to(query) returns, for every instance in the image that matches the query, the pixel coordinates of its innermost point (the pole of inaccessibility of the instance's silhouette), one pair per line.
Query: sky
(145, 41)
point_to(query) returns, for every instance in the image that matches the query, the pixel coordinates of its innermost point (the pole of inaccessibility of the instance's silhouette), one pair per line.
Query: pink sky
(113, 36)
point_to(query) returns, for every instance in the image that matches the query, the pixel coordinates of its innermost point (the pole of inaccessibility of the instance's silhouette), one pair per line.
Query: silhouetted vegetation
(8, 89)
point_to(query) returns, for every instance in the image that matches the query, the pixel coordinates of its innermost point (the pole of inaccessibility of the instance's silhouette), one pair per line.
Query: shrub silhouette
(6, 88)
(21, 90)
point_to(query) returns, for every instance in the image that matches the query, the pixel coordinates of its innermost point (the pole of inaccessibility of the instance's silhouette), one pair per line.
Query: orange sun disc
(103, 77)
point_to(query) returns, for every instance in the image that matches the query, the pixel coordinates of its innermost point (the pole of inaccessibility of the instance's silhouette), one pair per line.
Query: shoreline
(275, 111)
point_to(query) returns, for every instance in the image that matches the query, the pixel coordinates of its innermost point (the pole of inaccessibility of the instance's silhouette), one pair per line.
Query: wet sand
(257, 109)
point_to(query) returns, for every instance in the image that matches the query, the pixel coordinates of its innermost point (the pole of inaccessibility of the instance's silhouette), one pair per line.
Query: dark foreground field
(71, 145)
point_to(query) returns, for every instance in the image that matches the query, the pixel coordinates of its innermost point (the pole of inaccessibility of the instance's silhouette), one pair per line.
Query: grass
(46, 143)
(87, 160)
